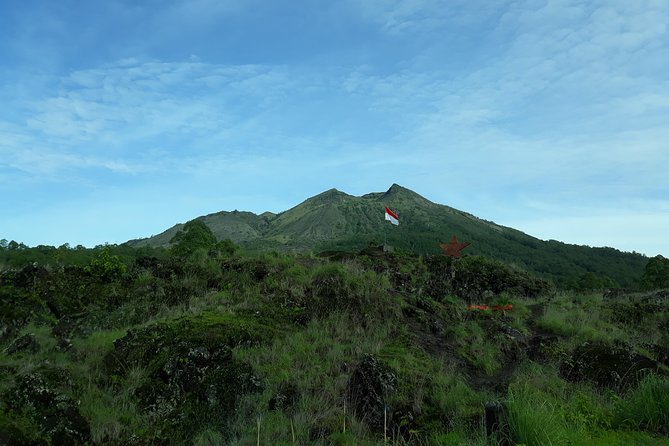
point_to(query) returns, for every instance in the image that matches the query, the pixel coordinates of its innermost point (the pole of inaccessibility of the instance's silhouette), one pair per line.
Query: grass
(647, 406)
(99, 343)
(111, 413)
(209, 437)
(316, 360)
(545, 410)
(581, 318)
(312, 322)
(533, 419)
(476, 346)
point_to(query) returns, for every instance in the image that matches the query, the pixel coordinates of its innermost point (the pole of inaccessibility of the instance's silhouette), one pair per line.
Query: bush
(106, 267)
(194, 235)
(477, 276)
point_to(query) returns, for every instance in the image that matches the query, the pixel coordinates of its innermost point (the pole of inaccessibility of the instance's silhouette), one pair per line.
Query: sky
(121, 118)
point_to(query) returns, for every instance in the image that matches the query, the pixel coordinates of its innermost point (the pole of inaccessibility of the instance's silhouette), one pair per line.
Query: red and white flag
(392, 217)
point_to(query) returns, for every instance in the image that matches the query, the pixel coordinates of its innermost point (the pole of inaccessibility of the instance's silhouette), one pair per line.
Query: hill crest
(335, 220)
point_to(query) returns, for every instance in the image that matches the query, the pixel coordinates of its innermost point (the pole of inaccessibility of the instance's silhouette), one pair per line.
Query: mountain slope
(336, 220)
(236, 225)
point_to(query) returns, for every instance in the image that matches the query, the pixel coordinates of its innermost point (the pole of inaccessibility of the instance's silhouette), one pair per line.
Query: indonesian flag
(392, 217)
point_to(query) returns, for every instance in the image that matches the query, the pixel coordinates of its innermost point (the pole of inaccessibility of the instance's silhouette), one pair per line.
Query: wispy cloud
(487, 106)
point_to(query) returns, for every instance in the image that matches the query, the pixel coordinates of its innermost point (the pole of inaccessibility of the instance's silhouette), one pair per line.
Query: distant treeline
(576, 271)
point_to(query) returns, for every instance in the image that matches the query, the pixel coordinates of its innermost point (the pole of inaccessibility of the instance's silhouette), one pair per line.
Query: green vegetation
(208, 344)
(656, 274)
(647, 406)
(337, 221)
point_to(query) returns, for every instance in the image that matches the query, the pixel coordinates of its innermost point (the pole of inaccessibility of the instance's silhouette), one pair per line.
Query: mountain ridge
(335, 220)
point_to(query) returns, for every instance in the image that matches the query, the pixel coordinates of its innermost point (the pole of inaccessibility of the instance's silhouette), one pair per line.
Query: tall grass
(647, 406)
(209, 437)
(583, 319)
(317, 361)
(534, 419)
(476, 346)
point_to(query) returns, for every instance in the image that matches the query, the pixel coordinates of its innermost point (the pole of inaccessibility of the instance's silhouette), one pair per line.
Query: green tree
(15, 246)
(194, 235)
(226, 247)
(107, 267)
(656, 274)
(590, 281)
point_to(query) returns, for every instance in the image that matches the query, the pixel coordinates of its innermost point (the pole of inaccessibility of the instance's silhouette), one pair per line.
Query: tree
(656, 274)
(194, 235)
(106, 267)
(15, 246)
(590, 281)
(226, 247)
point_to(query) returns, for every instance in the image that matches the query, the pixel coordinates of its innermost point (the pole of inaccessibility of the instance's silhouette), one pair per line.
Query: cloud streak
(489, 107)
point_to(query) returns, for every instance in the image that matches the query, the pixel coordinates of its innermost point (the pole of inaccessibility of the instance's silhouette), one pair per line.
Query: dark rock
(496, 421)
(612, 366)
(285, 398)
(369, 384)
(30, 275)
(64, 344)
(538, 346)
(192, 379)
(24, 344)
(6, 331)
(56, 414)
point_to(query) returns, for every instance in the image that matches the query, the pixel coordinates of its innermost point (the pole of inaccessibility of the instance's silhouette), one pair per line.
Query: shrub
(194, 235)
(106, 267)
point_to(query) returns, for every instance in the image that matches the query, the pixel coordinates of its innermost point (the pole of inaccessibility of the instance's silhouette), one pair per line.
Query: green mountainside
(334, 220)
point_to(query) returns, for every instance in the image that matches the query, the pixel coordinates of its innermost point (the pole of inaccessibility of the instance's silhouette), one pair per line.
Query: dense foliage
(656, 274)
(207, 344)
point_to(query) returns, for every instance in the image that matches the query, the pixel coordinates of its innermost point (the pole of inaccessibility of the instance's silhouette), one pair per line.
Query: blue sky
(121, 118)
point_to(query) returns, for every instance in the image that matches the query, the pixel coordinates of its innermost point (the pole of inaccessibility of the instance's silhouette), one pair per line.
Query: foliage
(210, 344)
(533, 419)
(656, 273)
(590, 281)
(193, 236)
(106, 267)
(647, 406)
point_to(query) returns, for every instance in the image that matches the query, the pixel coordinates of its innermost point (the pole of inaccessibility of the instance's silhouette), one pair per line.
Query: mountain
(334, 220)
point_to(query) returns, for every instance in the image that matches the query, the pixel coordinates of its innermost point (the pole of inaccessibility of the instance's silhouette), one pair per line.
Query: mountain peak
(332, 193)
(395, 188)
(397, 193)
(329, 196)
